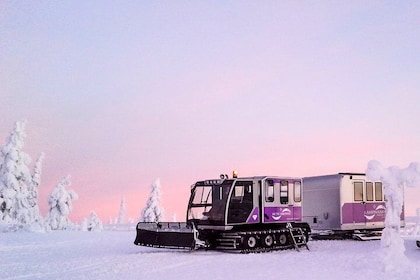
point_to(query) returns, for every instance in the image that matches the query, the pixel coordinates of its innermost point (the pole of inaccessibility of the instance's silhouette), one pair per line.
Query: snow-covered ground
(112, 255)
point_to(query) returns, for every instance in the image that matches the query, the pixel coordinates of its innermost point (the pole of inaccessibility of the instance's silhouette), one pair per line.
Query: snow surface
(112, 255)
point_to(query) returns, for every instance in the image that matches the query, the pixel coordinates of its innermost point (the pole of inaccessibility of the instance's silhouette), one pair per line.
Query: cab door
(270, 200)
(277, 203)
(241, 202)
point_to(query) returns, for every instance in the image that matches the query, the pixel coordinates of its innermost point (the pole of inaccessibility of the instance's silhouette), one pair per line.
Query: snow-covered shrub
(92, 223)
(60, 202)
(153, 212)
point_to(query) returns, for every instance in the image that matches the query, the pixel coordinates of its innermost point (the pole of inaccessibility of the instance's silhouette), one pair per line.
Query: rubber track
(240, 235)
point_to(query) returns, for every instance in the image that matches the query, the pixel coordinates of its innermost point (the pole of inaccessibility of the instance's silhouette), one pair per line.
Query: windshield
(208, 201)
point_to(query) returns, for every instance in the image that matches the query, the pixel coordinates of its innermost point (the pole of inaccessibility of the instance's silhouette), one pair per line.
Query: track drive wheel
(283, 239)
(251, 242)
(268, 240)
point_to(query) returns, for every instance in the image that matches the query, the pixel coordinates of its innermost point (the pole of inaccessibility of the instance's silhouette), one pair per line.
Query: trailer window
(358, 191)
(297, 192)
(378, 191)
(284, 192)
(369, 191)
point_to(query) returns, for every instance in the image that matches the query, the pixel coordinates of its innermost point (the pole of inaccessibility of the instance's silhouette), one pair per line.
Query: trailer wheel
(283, 239)
(418, 243)
(251, 242)
(268, 240)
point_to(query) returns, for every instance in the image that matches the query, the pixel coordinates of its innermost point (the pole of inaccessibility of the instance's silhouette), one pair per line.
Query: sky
(120, 93)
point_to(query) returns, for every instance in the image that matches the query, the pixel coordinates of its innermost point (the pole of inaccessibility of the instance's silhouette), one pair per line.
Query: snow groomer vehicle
(344, 205)
(249, 214)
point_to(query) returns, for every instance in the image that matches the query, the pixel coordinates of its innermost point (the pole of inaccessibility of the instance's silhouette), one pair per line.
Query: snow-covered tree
(153, 212)
(60, 202)
(15, 179)
(92, 223)
(121, 219)
(394, 180)
(34, 189)
(417, 229)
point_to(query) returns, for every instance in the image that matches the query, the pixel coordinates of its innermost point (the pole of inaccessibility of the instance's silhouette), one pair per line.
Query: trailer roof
(351, 173)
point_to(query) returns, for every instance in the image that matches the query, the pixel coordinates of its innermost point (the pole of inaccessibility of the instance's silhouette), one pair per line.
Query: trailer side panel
(321, 200)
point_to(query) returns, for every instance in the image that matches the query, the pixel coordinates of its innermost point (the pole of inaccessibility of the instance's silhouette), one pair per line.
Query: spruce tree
(121, 219)
(15, 179)
(61, 204)
(34, 190)
(153, 212)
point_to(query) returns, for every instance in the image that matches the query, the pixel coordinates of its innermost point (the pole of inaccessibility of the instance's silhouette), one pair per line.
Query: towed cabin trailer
(344, 205)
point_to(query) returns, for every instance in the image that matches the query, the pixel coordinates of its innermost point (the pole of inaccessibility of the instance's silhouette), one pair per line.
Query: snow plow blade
(165, 235)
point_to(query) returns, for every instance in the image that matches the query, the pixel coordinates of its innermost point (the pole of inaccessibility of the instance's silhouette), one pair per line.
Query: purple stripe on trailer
(363, 212)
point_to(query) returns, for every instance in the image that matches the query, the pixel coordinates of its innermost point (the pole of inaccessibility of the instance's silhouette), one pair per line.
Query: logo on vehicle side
(284, 212)
(378, 210)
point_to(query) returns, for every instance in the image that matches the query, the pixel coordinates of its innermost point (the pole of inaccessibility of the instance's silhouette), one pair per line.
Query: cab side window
(284, 192)
(297, 191)
(269, 191)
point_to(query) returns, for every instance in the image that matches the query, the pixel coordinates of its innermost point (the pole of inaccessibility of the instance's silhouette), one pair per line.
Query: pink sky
(119, 94)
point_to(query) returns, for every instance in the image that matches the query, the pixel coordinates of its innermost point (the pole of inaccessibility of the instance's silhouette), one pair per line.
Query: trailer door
(375, 205)
(359, 205)
(368, 207)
